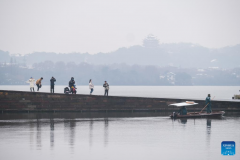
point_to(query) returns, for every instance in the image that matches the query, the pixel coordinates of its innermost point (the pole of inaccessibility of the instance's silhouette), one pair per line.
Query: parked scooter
(67, 90)
(72, 90)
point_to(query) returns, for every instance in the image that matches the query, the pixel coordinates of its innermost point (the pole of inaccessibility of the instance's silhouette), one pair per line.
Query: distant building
(170, 76)
(151, 41)
(201, 70)
(213, 67)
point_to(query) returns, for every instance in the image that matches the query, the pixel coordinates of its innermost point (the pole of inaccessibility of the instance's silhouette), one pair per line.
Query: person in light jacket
(91, 86)
(31, 82)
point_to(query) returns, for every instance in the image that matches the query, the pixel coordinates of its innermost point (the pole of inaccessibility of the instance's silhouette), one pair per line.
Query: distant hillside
(178, 55)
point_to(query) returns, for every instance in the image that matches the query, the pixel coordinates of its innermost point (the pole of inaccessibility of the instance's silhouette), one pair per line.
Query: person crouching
(39, 83)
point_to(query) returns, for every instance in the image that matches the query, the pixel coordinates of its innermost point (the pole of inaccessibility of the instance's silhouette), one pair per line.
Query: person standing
(31, 81)
(52, 80)
(91, 86)
(71, 84)
(183, 111)
(39, 83)
(208, 103)
(106, 87)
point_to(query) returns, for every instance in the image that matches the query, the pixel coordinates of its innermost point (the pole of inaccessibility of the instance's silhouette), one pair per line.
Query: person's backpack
(66, 90)
(107, 88)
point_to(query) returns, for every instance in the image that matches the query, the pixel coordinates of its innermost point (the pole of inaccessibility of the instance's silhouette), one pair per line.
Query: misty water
(115, 136)
(186, 92)
(120, 135)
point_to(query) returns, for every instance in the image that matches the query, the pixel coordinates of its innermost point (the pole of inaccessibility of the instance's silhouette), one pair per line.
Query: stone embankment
(19, 101)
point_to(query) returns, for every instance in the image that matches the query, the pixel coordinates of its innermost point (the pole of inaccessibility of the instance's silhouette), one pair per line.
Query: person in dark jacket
(106, 87)
(66, 90)
(52, 80)
(71, 84)
(183, 111)
(209, 104)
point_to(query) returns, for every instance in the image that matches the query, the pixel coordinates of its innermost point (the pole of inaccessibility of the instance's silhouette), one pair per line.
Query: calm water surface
(115, 136)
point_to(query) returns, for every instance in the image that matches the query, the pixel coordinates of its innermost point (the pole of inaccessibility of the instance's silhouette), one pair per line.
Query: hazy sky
(94, 26)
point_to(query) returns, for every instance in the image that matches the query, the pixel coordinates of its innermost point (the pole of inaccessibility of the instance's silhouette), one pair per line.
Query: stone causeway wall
(22, 101)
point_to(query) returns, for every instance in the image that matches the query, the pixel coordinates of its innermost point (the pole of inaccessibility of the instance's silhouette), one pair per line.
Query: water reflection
(208, 135)
(72, 132)
(39, 137)
(90, 132)
(31, 135)
(105, 132)
(183, 120)
(209, 124)
(70, 125)
(51, 132)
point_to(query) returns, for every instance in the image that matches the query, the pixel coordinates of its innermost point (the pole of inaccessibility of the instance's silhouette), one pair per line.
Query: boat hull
(200, 115)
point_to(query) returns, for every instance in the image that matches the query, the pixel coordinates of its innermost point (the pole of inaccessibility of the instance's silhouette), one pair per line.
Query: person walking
(106, 87)
(52, 80)
(209, 104)
(91, 86)
(39, 83)
(31, 82)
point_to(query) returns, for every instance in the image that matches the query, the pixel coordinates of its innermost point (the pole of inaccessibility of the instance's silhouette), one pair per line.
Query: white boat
(194, 114)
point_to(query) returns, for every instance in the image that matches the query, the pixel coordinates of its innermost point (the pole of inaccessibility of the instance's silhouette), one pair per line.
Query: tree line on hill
(184, 55)
(117, 74)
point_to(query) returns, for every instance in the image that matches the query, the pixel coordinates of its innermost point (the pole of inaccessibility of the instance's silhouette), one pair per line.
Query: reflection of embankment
(55, 118)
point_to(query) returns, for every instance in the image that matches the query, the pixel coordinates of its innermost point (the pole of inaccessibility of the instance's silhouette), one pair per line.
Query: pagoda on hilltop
(151, 41)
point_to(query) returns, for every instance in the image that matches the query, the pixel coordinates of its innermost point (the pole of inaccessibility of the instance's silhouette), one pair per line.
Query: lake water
(115, 136)
(118, 136)
(186, 92)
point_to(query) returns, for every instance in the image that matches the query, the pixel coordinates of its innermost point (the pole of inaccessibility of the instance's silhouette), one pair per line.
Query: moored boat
(181, 105)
